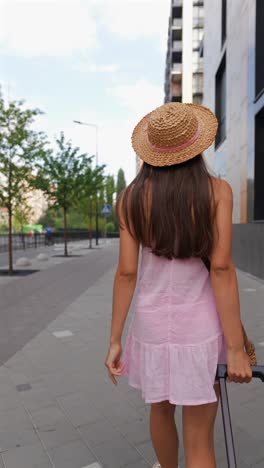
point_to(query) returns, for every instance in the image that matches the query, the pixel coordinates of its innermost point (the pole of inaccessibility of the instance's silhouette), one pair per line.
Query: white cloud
(8, 89)
(61, 27)
(115, 148)
(96, 68)
(139, 98)
(45, 28)
(114, 139)
(135, 19)
(107, 68)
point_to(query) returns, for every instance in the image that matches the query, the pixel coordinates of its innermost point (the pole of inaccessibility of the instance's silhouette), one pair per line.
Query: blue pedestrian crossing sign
(106, 210)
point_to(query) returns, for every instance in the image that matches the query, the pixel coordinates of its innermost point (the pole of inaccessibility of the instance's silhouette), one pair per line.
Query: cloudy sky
(98, 61)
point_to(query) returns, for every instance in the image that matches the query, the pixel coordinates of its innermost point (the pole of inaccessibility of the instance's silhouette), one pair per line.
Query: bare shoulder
(222, 189)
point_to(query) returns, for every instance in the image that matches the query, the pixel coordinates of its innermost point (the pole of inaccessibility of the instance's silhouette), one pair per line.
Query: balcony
(198, 22)
(197, 68)
(176, 98)
(177, 46)
(177, 3)
(177, 23)
(176, 69)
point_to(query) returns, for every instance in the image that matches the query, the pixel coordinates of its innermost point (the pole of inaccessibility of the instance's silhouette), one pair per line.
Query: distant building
(184, 64)
(38, 203)
(233, 55)
(3, 215)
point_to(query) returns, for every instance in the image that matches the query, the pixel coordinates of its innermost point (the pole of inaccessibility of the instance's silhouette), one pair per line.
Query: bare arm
(124, 287)
(224, 284)
(124, 283)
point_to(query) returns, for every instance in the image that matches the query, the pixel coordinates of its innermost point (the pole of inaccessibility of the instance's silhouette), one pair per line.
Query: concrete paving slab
(62, 334)
(116, 453)
(57, 434)
(99, 432)
(19, 437)
(27, 457)
(93, 465)
(74, 454)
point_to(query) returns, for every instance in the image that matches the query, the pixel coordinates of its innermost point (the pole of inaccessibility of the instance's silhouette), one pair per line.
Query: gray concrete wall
(248, 248)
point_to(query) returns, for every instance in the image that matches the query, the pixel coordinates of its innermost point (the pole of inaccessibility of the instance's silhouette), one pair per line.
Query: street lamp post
(96, 162)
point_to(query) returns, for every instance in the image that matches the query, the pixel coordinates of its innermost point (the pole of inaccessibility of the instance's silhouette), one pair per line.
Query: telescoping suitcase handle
(257, 372)
(221, 375)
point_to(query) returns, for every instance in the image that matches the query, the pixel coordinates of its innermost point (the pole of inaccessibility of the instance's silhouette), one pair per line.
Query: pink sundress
(175, 339)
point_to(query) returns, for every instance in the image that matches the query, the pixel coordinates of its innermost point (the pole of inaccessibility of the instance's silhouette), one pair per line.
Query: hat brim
(208, 125)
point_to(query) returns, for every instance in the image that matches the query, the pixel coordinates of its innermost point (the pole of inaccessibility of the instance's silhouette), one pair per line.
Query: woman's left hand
(113, 363)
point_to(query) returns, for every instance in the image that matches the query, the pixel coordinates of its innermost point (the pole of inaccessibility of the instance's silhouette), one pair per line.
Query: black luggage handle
(257, 372)
(221, 375)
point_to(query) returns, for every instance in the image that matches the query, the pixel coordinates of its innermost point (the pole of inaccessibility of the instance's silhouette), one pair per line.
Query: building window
(177, 12)
(176, 57)
(197, 34)
(259, 48)
(259, 167)
(197, 62)
(220, 102)
(176, 99)
(197, 98)
(197, 83)
(224, 12)
(198, 17)
(177, 34)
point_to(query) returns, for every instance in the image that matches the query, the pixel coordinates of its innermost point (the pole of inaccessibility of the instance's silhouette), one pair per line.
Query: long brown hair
(170, 209)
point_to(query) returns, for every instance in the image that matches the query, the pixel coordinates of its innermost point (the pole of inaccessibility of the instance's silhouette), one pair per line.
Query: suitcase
(221, 375)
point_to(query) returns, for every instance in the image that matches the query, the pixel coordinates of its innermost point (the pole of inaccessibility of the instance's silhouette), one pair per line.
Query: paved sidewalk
(59, 409)
(29, 304)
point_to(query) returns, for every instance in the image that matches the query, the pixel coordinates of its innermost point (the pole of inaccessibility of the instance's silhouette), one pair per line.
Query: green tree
(110, 227)
(21, 216)
(20, 146)
(60, 176)
(121, 182)
(91, 186)
(49, 217)
(110, 189)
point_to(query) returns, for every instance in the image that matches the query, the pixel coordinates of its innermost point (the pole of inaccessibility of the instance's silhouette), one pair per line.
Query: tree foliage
(60, 175)
(22, 215)
(20, 146)
(110, 189)
(92, 186)
(121, 182)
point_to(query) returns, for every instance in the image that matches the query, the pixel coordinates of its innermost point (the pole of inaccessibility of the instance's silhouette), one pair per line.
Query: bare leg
(164, 434)
(198, 434)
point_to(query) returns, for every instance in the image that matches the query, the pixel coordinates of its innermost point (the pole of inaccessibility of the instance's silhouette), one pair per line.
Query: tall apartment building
(234, 88)
(184, 63)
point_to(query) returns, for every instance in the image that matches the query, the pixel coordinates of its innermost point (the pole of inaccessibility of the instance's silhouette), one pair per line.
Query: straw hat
(174, 133)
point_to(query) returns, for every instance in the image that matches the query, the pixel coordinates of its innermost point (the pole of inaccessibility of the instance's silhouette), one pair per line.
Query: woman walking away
(185, 320)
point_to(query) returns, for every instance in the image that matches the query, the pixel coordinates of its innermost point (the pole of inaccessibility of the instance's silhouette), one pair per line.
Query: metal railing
(177, 23)
(24, 241)
(177, 68)
(21, 241)
(177, 46)
(198, 22)
(177, 3)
